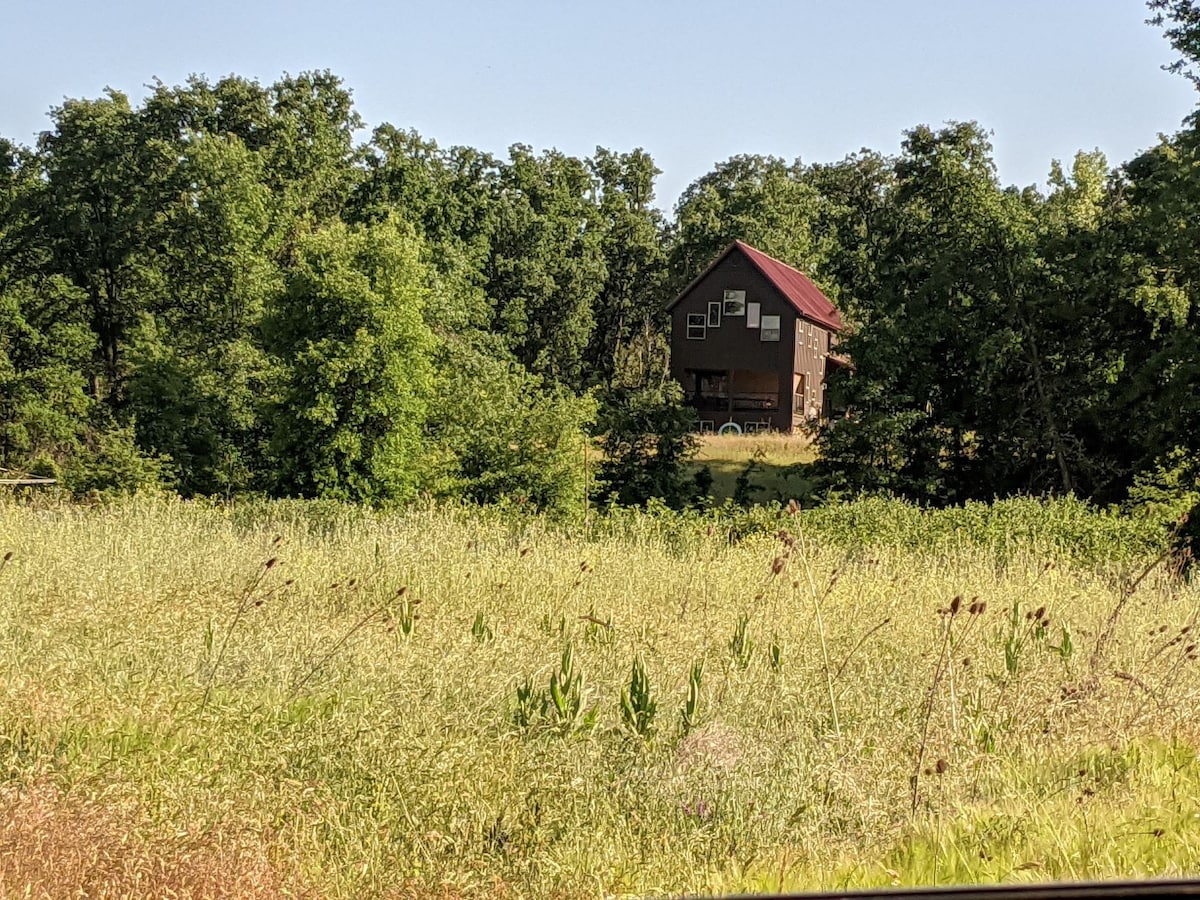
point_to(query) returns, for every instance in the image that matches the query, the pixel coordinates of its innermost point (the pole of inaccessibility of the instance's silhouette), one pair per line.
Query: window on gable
(714, 314)
(735, 303)
(753, 311)
(696, 326)
(770, 328)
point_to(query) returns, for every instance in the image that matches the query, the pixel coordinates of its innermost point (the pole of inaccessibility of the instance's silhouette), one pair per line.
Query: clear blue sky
(692, 82)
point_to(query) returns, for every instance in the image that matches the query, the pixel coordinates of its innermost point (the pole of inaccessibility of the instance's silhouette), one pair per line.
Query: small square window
(696, 326)
(770, 328)
(735, 303)
(714, 314)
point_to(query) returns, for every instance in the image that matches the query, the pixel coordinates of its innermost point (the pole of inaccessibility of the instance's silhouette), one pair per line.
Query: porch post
(729, 389)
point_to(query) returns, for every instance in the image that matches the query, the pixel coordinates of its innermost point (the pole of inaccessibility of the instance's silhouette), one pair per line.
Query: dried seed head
(524, 551)
(8, 556)
(778, 564)
(941, 767)
(1039, 613)
(271, 562)
(793, 507)
(1185, 629)
(1190, 648)
(966, 662)
(982, 607)
(289, 582)
(258, 602)
(275, 540)
(400, 592)
(955, 605)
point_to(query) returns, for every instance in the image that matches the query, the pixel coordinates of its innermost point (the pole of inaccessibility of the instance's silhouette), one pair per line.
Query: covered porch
(750, 399)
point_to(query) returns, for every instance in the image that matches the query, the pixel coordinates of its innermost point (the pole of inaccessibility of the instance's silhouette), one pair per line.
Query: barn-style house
(751, 342)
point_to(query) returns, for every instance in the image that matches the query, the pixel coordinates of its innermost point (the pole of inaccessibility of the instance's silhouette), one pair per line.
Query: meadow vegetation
(769, 465)
(317, 699)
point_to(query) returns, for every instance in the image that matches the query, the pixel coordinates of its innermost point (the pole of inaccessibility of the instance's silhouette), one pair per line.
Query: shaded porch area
(750, 399)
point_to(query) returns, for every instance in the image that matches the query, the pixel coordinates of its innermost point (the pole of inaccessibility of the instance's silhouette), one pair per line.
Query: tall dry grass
(316, 699)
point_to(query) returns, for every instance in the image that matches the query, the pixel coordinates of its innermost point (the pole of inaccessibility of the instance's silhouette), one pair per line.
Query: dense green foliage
(218, 290)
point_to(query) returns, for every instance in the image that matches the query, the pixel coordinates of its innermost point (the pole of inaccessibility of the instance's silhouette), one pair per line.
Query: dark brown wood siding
(735, 347)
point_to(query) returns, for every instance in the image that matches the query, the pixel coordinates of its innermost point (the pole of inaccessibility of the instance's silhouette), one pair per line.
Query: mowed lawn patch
(312, 699)
(770, 456)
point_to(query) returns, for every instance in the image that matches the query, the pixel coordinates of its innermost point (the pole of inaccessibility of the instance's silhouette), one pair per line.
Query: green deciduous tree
(1180, 20)
(199, 368)
(354, 354)
(100, 215)
(503, 435)
(546, 267)
(949, 392)
(761, 200)
(634, 252)
(645, 429)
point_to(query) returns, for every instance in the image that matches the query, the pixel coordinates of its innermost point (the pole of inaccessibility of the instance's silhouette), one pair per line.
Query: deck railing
(742, 402)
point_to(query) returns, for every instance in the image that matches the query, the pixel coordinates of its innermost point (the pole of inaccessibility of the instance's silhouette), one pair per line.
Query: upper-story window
(714, 314)
(770, 328)
(696, 326)
(734, 303)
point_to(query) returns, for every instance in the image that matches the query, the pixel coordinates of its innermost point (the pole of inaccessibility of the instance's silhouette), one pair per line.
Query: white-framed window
(734, 303)
(714, 314)
(753, 311)
(770, 328)
(696, 326)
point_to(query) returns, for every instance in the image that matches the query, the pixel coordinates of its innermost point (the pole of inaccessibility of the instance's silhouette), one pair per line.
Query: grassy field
(769, 455)
(310, 700)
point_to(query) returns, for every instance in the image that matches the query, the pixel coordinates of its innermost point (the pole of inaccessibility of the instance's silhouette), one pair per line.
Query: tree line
(223, 291)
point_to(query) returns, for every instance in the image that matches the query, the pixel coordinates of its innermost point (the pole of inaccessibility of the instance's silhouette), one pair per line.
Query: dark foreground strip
(1104, 890)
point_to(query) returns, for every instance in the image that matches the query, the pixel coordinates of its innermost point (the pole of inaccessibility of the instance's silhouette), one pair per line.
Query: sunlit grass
(726, 457)
(348, 738)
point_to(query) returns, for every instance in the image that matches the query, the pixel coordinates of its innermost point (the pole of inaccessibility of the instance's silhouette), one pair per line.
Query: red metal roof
(795, 286)
(805, 296)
